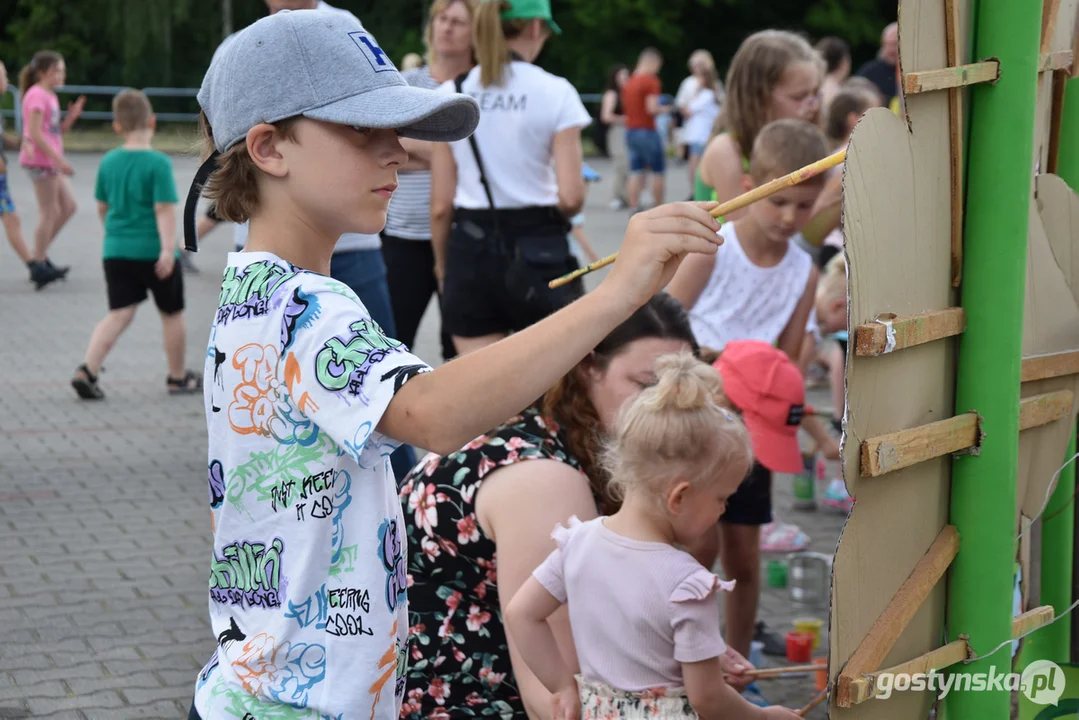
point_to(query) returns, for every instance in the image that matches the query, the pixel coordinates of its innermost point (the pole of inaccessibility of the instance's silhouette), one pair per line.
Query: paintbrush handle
(813, 703)
(762, 673)
(757, 193)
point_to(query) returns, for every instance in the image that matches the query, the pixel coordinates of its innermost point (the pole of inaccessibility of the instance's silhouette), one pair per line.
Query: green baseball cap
(529, 10)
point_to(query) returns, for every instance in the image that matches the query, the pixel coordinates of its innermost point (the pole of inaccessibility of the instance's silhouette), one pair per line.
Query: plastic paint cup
(821, 676)
(777, 574)
(799, 647)
(810, 626)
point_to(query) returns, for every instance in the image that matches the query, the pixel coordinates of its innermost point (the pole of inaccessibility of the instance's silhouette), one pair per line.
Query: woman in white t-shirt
(701, 111)
(500, 235)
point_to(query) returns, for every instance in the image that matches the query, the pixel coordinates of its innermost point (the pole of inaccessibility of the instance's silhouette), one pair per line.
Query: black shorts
(751, 504)
(129, 281)
(497, 282)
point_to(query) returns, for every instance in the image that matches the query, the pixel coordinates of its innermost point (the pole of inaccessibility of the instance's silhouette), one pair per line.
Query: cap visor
(415, 112)
(777, 451)
(554, 27)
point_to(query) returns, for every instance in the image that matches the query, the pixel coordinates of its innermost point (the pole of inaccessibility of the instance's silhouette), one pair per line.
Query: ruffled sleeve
(550, 573)
(695, 616)
(699, 585)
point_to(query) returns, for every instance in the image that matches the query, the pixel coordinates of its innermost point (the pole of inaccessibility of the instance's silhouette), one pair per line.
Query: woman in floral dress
(499, 497)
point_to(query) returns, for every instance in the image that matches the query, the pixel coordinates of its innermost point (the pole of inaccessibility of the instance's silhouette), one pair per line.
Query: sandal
(85, 384)
(189, 384)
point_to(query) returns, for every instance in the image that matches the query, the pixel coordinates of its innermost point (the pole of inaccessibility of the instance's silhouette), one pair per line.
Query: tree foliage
(169, 43)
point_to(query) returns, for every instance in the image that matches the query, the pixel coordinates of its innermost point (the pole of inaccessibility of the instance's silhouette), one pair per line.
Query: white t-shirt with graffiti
(307, 578)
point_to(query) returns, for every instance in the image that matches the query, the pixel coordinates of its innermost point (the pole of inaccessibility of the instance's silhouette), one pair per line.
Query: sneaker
(837, 498)
(85, 384)
(617, 204)
(41, 274)
(61, 271)
(773, 643)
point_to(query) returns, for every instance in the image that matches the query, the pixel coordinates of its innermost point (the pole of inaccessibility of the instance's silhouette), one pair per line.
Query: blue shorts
(7, 205)
(696, 149)
(645, 151)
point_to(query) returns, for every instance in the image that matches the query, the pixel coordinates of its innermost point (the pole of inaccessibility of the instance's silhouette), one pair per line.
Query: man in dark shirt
(881, 70)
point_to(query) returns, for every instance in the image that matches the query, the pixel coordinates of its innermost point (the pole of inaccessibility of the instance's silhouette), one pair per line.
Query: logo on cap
(380, 62)
(796, 414)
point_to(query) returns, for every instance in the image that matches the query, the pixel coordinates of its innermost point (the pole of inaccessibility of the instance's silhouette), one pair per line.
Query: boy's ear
(747, 183)
(116, 128)
(262, 147)
(151, 122)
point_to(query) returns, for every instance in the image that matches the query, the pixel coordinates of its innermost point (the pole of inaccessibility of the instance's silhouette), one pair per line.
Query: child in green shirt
(136, 200)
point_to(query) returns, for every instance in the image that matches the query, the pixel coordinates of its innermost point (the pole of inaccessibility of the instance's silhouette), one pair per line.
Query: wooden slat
(1050, 365)
(895, 451)
(951, 77)
(955, 140)
(1056, 120)
(906, 331)
(1050, 12)
(1032, 620)
(891, 623)
(1043, 409)
(864, 687)
(1059, 60)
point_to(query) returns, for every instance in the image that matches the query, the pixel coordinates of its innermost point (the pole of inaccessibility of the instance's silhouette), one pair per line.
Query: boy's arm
(444, 409)
(790, 340)
(165, 214)
(443, 189)
(102, 210)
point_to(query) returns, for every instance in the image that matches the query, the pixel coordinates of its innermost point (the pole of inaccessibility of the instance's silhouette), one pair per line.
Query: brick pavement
(103, 519)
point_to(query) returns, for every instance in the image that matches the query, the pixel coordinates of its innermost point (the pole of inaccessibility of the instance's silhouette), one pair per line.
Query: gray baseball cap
(323, 65)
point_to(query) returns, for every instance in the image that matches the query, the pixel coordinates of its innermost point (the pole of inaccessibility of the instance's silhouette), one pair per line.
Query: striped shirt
(409, 214)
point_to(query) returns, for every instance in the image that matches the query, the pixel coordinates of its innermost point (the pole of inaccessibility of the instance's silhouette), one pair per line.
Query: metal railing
(110, 90)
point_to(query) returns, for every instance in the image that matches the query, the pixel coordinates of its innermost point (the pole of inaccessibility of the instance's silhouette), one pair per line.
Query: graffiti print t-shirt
(307, 579)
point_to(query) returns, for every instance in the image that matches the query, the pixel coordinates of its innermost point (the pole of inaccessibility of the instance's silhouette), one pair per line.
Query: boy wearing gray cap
(306, 398)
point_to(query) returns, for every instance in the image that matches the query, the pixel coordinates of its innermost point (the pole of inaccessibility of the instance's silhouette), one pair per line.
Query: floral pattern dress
(459, 662)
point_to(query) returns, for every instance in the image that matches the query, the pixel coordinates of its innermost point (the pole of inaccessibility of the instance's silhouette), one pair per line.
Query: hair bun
(685, 383)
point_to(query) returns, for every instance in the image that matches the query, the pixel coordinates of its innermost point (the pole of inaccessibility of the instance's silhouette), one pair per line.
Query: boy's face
(832, 315)
(340, 177)
(785, 213)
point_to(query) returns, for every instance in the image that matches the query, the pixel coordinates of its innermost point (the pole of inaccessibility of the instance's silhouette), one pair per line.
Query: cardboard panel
(896, 230)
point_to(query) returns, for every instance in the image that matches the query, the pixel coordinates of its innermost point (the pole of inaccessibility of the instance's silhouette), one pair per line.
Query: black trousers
(410, 274)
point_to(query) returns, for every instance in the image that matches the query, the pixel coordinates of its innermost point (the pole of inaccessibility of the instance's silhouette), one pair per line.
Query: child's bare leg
(175, 342)
(66, 200)
(47, 191)
(836, 362)
(633, 188)
(105, 335)
(740, 553)
(13, 230)
(658, 188)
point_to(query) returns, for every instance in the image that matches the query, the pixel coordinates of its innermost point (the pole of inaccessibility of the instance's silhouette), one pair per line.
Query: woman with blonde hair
(507, 192)
(406, 240)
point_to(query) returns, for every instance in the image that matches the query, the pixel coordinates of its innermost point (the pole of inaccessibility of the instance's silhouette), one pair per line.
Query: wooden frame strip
(1056, 119)
(864, 688)
(1050, 365)
(1032, 620)
(1059, 60)
(1050, 11)
(1043, 409)
(951, 77)
(890, 332)
(891, 623)
(895, 451)
(955, 139)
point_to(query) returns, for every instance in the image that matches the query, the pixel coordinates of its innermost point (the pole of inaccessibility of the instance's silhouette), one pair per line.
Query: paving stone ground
(104, 530)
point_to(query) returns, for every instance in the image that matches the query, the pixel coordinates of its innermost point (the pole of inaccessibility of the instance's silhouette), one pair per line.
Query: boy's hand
(566, 703)
(654, 245)
(165, 264)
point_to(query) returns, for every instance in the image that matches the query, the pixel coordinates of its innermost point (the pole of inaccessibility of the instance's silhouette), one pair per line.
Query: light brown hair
(568, 403)
(756, 70)
(41, 63)
(681, 428)
(489, 37)
(437, 8)
(233, 185)
(132, 110)
(857, 95)
(784, 146)
(833, 281)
